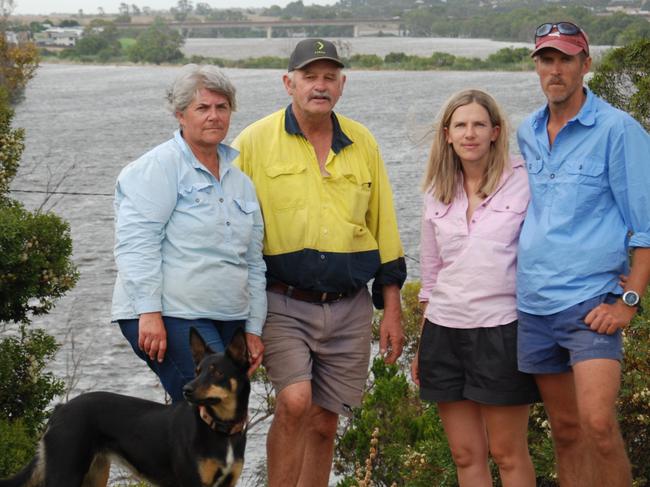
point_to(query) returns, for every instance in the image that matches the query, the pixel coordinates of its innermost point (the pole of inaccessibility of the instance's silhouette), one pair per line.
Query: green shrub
(25, 392)
(35, 269)
(35, 266)
(623, 79)
(365, 61)
(411, 448)
(17, 447)
(634, 398)
(11, 144)
(25, 388)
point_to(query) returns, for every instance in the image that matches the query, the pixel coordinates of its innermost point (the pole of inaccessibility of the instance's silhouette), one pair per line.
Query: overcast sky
(111, 6)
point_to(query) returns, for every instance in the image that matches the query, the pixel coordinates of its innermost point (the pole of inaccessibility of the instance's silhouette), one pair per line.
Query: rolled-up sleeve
(145, 197)
(629, 175)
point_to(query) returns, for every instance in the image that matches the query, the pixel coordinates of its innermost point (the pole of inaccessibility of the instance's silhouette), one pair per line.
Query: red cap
(568, 44)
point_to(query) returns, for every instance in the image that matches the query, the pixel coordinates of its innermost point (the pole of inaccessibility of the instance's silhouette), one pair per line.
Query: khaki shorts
(327, 344)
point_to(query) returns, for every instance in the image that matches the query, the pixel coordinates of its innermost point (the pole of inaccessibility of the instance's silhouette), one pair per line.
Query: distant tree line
(512, 20)
(101, 42)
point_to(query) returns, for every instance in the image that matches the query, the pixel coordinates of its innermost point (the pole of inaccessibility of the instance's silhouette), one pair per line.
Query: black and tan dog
(195, 443)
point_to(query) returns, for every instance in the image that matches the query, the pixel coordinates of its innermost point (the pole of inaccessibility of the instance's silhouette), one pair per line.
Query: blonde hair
(444, 168)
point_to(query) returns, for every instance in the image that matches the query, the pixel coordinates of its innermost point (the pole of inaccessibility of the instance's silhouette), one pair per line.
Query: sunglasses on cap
(565, 28)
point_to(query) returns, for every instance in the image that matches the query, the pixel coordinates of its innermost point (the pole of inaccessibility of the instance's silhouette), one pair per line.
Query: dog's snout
(188, 390)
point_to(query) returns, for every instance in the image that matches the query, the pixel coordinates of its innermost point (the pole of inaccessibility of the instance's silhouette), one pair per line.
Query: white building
(59, 36)
(11, 37)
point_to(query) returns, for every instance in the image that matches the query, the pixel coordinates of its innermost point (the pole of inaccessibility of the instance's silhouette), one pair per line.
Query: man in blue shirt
(589, 168)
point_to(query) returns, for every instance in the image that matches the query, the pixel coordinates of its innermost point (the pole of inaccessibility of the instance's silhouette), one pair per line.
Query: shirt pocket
(587, 180)
(287, 185)
(504, 219)
(242, 220)
(195, 214)
(587, 170)
(450, 229)
(355, 190)
(538, 183)
(194, 195)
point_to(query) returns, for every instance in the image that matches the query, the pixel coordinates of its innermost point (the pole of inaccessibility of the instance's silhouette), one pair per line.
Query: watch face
(631, 298)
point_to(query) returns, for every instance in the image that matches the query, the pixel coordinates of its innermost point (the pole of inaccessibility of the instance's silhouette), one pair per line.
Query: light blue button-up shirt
(590, 202)
(186, 244)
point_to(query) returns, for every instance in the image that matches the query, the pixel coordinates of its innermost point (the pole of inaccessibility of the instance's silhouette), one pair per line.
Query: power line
(71, 193)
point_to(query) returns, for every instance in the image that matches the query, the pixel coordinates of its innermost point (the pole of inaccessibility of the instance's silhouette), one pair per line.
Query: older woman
(188, 236)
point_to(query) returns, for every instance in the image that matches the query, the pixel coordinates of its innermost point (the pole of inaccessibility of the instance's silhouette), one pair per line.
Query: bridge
(359, 26)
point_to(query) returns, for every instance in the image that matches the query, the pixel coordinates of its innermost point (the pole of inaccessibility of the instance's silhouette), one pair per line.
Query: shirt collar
(339, 139)
(586, 116)
(226, 154)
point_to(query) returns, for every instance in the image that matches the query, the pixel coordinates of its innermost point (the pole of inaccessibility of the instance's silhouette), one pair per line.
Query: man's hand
(391, 338)
(607, 318)
(152, 336)
(255, 352)
(391, 335)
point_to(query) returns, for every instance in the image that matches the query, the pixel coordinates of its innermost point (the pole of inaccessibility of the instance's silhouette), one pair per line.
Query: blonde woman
(474, 205)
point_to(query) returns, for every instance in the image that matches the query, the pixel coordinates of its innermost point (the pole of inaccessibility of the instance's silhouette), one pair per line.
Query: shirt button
(197, 200)
(324, 230)
(473, 221)
(228, 224)
(507, 207)
(322, 257)
(552, 176)
(220, 200)
(436, 212)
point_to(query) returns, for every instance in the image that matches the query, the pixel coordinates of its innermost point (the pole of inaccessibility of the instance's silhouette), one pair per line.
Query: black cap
(310, 50)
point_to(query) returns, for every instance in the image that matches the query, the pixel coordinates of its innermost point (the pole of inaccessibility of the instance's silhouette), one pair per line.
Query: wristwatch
(631, 298)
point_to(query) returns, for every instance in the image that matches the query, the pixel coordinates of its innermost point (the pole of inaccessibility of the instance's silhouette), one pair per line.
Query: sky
(111, 6)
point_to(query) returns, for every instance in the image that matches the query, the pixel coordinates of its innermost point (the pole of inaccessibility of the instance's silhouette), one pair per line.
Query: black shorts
(479, 364)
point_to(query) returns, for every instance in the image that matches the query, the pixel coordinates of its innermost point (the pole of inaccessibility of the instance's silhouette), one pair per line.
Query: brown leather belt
(303, 294)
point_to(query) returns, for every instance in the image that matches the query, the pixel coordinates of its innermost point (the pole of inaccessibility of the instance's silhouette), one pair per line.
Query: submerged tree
(158, 44)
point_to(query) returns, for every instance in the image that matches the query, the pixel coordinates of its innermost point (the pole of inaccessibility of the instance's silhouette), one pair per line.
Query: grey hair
(194, 77)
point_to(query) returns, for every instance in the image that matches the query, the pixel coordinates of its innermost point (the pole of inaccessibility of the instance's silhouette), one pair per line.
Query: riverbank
(505, 59)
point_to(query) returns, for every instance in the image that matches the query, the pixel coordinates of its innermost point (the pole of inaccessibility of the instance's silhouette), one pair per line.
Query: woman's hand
(415, 369)
(255, 352)
(152, 336)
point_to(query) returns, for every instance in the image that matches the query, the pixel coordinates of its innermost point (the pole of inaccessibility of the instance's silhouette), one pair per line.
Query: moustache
(320, 95)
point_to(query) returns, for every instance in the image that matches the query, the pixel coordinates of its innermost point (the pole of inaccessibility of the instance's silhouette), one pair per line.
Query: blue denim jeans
(177, 369)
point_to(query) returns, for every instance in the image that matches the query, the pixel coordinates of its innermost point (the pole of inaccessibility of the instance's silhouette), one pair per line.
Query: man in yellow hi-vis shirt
(330, 228)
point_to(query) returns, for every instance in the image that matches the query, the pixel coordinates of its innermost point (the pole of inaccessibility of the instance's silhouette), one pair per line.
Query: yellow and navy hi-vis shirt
(323, 233)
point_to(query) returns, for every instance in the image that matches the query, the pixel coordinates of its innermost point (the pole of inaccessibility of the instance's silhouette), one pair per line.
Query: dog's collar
(215, 424)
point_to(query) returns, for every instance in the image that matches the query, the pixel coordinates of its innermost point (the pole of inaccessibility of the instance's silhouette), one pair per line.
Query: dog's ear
(198, 346)
(237, 348)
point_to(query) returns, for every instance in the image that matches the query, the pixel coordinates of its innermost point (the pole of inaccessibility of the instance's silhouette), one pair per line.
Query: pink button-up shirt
(468, 267)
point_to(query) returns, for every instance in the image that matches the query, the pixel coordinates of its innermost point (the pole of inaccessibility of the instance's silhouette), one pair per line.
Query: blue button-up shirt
(590, 202)
(187, 244)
